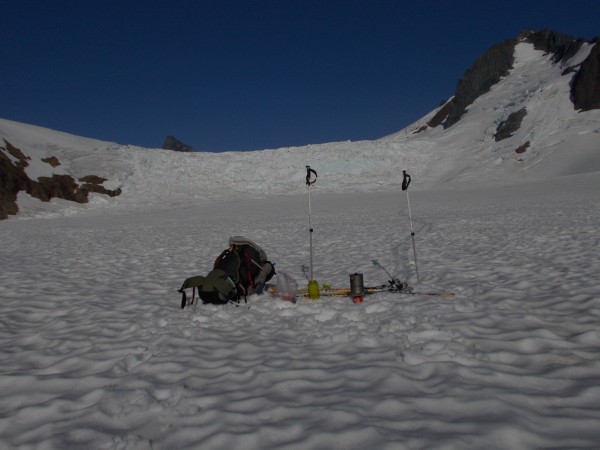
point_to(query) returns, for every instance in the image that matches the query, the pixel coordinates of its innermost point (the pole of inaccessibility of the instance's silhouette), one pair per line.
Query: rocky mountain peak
(497, 62)
(172, 143)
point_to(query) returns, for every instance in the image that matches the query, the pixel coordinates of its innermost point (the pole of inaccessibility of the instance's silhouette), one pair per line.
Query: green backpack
(239, 271)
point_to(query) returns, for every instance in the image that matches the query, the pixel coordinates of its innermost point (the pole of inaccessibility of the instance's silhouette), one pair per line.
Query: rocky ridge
(13, 162)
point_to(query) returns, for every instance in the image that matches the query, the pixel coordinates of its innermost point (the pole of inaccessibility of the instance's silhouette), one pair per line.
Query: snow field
(98, 354)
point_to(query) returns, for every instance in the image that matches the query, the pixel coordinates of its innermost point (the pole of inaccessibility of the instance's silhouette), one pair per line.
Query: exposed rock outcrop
(14, 179)
(172, 143)
(585, 89)
(487, 71)
(522, 148)
(562, 46)
(507, 127)
(52, 160)
(441, 115)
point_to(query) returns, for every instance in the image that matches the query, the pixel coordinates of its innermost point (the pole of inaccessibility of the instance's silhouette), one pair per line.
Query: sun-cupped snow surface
(96, 352)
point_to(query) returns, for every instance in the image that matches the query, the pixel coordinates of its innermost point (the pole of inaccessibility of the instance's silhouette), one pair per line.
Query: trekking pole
(405, 183)
(313, 286)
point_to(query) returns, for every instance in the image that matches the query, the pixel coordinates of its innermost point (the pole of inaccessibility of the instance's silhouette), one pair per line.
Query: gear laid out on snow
(356, 290)
(243, 269)
(286, 287)
(239, 271)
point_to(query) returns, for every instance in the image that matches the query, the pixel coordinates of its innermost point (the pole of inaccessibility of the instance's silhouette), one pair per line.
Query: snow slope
(96, 352)
(562, 142)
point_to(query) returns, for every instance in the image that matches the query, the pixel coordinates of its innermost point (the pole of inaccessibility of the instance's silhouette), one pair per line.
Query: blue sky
(253, 74)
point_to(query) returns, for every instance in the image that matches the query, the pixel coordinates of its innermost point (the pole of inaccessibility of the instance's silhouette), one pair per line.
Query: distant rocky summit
(496, 63)
(172, 143)
(14, 179)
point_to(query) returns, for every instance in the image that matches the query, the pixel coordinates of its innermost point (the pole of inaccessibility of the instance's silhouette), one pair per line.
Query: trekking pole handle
(405, 180)
(309, 173)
